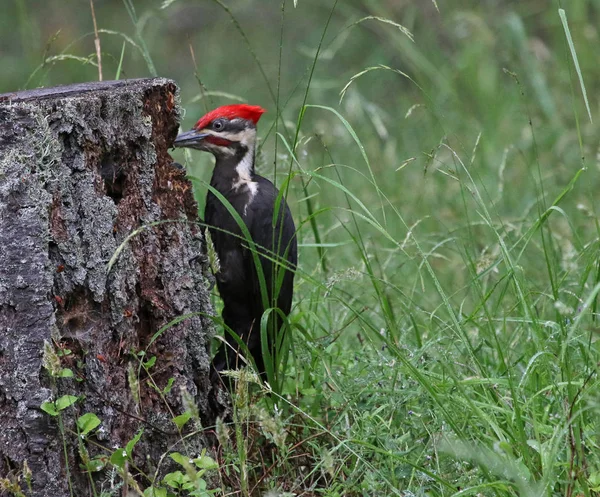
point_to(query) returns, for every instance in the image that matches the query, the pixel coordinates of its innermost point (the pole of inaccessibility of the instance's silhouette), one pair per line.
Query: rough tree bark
(82, 167)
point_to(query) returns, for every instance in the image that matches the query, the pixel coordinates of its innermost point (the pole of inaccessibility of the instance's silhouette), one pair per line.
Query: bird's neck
(233, 171)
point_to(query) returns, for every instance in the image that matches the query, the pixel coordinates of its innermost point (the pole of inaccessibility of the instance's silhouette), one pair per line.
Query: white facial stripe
(247, 137)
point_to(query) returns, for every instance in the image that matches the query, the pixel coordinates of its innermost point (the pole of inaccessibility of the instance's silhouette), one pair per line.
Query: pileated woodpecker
(229, 133)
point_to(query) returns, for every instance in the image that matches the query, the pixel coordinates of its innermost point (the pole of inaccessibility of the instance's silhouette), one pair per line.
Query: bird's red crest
(241, 111)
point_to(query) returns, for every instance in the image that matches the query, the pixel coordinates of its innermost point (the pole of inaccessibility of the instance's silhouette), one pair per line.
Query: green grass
(445, 318)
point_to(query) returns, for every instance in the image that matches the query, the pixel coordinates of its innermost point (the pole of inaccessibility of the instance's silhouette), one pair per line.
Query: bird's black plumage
(255, 200)
(238, 279)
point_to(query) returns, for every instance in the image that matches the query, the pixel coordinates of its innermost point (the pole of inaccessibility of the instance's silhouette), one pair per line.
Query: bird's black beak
(189, 138)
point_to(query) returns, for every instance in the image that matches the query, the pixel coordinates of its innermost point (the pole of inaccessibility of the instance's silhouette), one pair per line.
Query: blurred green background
(458, 87)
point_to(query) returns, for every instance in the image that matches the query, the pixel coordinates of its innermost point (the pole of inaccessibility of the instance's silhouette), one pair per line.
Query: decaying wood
(83, 167)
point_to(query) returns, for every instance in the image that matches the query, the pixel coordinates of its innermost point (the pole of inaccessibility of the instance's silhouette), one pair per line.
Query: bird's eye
(218, 125)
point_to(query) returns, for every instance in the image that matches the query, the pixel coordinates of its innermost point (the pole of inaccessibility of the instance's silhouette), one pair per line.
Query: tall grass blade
(138, 34)
(563, 19)
(120, 66)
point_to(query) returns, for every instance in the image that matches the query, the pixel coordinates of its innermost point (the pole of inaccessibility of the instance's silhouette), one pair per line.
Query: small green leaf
(179, 458)
(205, 462)
(131, 444)
(182, 419)
(201, 487)
(65, 401)
(50, 408)
(65, 373)
(155, 492)
(176, 479)
(96, 464)
(87, 423)
(167, 389)
(149, 363)
(118, 457)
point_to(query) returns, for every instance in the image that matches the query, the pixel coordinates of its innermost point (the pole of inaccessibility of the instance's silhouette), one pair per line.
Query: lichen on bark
(81, 169)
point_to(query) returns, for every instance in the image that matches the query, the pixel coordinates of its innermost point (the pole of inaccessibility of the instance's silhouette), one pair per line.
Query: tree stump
(85, 177)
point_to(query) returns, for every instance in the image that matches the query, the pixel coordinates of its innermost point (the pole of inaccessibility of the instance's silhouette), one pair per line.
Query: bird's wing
(276, 247)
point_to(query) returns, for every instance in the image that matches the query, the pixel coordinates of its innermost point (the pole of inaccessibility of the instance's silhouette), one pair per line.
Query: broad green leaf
(50, 408)
(88, 422)
(155, 492)
(65, 373)
(176, 479)
(182, 419)
(96, 464)
(118, 457)
(65, 401)
(205, 462)
(179, 458)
